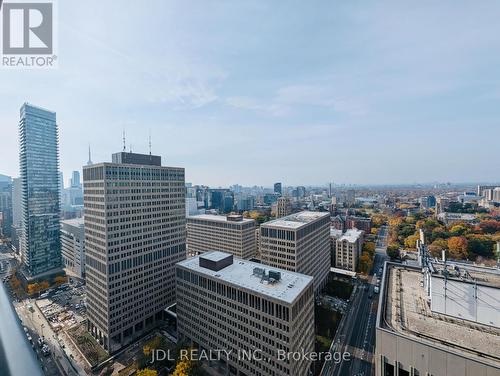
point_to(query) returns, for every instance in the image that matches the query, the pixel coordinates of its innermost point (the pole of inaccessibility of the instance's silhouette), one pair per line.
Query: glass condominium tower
(39, 165)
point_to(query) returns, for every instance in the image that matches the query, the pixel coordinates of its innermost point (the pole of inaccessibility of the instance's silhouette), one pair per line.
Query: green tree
(411, 241)
(393, 251)
(369, 247)
(480, 246)
(490, 226)
(459, 229)
(437, 246)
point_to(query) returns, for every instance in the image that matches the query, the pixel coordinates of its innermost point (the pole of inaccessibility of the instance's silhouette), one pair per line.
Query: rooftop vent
(272, 277)
(234, 218)
(216, 261)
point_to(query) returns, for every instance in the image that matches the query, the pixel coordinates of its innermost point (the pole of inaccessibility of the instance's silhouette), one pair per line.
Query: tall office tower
(135, 233)
(232, 233)
(39, 165)
(257, 315)
(299, 242)
(278, 188)
(73, 246)
(73, 195)
(17, 213)
(301, 191)
(6, 207)
(61, 190)
(283, 207)
(350, 198)
(75, 180)
(222, 200)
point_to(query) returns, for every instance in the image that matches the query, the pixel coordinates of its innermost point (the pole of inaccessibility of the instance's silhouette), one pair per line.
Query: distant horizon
(324, 185)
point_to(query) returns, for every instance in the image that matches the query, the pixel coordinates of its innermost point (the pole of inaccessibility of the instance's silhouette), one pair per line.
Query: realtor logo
(27, 34)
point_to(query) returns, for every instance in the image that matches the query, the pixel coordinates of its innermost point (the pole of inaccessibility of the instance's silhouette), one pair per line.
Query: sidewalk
(70, 367)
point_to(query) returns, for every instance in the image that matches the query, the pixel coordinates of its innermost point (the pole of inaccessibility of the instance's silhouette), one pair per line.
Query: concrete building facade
(73, 246)
(135, 233)
(283, 207)
(259, 316)
(299, 242)
(232, 233)
(347, 248)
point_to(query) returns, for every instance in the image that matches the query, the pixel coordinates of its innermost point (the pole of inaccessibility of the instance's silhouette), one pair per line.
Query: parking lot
(63, 306)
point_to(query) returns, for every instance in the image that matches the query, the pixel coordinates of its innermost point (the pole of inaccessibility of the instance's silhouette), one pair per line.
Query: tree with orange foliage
(490, 226)
(457, 245)
(59, 280)
(147, 372)
(33, 288)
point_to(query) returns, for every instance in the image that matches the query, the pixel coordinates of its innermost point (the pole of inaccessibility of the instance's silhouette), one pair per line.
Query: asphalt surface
(356, 335)
(36, 326)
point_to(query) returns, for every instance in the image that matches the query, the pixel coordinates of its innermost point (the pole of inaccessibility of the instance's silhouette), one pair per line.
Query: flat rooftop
(407, 312)
(351, 235)
(218, 218)
(335, 233)
(296, 220)
(215, 255)
(77, 222)
(240, 273)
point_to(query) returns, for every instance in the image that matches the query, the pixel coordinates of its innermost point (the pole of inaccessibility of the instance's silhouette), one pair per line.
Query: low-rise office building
(449, 218)
(347, 249)
(232, 233)
(256, 315)
(283, 207)
(73, 246)
(299, 242)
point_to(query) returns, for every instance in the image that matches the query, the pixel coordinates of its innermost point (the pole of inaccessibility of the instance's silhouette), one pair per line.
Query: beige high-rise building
(258, 315)
(299, 242)
(135, 233)
(232, 233)
(283, 207)
(347, 248)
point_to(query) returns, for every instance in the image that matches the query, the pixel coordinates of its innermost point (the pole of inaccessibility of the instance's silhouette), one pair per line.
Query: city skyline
(332, 87)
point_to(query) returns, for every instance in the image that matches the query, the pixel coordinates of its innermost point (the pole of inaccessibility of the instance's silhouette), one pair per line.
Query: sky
(254, 92)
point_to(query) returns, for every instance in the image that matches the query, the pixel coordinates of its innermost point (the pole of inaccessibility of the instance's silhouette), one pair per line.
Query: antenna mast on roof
(124, 147)
(90, 159)
(150, 142)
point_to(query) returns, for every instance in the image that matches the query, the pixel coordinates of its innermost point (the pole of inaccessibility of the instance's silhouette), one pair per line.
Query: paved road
(37, 326)
(357, 334)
